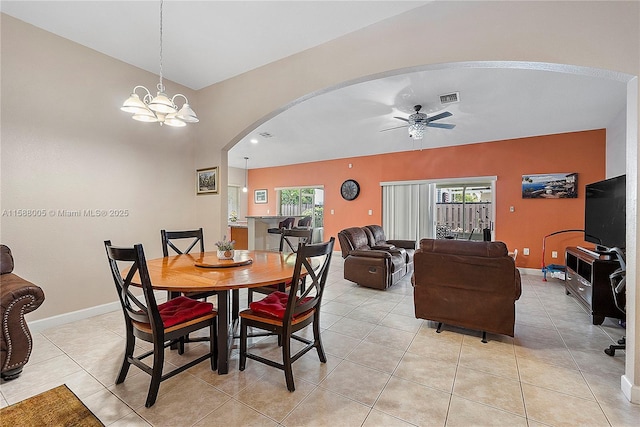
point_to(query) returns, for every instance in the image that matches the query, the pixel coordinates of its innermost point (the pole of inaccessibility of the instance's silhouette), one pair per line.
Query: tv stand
(587, 278)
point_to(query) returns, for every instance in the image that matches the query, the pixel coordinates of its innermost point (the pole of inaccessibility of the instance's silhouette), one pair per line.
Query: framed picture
(550, 186)
(260, 196)
(207, 181)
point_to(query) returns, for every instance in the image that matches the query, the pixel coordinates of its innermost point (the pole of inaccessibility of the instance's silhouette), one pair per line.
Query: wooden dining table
(201, 272)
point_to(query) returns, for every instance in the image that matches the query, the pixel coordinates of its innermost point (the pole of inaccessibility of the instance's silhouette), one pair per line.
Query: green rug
(55, 407)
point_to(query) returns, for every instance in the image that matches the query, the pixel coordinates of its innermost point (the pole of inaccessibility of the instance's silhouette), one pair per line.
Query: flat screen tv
(605, 213)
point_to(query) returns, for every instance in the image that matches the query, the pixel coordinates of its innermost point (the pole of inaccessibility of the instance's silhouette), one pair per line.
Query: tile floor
(384, 368)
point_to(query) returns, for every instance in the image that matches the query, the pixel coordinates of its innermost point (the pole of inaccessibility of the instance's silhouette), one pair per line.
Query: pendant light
(159, 109)
(246, 174)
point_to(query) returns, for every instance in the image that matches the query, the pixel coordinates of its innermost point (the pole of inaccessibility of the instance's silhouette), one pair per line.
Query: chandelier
(159, 109)
(417, 124)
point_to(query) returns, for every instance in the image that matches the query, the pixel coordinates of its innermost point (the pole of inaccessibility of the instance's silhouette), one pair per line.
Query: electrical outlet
(525, 251)
(554, 254)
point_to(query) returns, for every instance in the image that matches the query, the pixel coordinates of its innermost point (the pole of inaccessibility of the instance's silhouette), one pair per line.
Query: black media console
(587, 278)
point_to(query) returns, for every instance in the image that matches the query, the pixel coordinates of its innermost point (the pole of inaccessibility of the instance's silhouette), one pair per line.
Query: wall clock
(350, 189)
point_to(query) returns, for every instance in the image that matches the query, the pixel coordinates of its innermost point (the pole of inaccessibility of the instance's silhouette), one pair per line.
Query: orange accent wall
(532, 219)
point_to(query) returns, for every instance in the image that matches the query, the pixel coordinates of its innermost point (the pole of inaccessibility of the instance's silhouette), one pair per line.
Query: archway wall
(598, 35)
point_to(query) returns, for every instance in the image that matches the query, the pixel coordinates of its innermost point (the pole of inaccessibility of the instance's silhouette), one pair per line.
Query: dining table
(203, 272)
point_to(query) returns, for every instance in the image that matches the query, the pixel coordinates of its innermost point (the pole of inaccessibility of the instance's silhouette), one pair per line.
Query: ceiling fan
(418, 122)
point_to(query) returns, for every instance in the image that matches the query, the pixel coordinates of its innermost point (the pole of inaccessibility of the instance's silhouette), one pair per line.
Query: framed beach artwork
(207, 181)
(550, 186)
(260, 196)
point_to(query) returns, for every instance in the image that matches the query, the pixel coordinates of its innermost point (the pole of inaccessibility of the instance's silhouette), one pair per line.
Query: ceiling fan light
(416, 130)
(162, 104)
(187, 114)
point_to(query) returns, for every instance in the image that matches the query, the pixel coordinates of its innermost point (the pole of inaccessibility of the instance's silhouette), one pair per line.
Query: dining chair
(197, 237)
(284, 314)
(160, 324)
(303, 236)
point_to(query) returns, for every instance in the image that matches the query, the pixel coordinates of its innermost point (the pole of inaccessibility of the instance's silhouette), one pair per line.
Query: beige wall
(67, 146)
(62, 158)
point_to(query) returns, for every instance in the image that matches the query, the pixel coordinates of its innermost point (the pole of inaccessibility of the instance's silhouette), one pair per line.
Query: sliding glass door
(460, 208)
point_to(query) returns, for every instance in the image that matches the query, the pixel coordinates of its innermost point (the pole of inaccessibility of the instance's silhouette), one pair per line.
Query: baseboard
(631, 391)
(73, 316)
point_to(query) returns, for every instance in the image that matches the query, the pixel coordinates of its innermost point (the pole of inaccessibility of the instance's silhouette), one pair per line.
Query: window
(233, 202)
(458, 208)
(305, 201)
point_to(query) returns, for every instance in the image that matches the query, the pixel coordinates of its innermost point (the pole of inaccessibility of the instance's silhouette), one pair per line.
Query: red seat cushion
(182, 309)
(274, 304)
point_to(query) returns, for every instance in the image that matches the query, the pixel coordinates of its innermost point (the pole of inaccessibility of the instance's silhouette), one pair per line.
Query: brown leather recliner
(470, 284)
(378, 268)
(377, 239)
(17, 297)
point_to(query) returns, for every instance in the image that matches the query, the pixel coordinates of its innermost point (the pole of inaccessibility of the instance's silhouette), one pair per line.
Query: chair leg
(243, 345)
(156, 373)
(249, 295)
(484, 337)
(128, 353)
(318, 340)
(286, 361)
(439, 329)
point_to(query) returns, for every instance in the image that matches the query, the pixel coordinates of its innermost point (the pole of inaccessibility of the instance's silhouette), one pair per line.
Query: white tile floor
(384, 368)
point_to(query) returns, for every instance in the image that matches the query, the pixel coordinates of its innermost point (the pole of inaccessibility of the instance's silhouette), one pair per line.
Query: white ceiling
(206, 42)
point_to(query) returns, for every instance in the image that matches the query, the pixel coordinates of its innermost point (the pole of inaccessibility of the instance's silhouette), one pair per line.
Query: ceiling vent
(265, 135)
(450, 98)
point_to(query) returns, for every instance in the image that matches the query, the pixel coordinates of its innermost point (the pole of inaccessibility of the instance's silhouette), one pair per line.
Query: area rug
(55, 407)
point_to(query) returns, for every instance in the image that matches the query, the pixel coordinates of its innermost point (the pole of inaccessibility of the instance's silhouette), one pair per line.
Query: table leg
(227, 321)
(224, 321)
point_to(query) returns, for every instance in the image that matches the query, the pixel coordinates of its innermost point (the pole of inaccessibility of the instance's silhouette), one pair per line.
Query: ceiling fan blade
(441, 125)
(402, 118)
(439, 116)
(397, 127)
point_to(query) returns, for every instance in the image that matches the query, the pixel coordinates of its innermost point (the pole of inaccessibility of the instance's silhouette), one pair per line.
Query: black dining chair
(303, 237)
(160, 324)
(195, 237)
(283, 314)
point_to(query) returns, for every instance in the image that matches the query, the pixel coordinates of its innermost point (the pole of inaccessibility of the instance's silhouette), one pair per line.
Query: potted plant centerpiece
(225, 248)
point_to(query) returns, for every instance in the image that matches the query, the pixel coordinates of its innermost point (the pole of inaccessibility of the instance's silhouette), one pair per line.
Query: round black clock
(350, 189)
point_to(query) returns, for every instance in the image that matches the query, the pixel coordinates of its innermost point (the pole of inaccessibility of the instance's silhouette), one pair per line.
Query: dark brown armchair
(18, 297)
(470, 284)
(378, 268)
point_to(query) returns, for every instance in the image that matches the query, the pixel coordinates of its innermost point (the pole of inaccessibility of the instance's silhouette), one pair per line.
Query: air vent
(450, 98)
(265, 135)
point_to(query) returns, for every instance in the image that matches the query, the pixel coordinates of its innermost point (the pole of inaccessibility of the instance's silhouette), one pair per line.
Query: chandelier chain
(161, 85)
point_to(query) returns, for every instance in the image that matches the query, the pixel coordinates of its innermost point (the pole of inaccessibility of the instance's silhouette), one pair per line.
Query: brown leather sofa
(377, 239)
(470, 284)
(370, 265)
(17, 297)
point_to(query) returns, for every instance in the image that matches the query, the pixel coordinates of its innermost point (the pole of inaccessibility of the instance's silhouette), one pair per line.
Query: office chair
(618, 281)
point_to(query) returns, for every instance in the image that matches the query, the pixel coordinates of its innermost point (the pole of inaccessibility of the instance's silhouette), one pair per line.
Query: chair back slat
(168, 236)
(133, 308)
(303, 236)
(315, 259)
